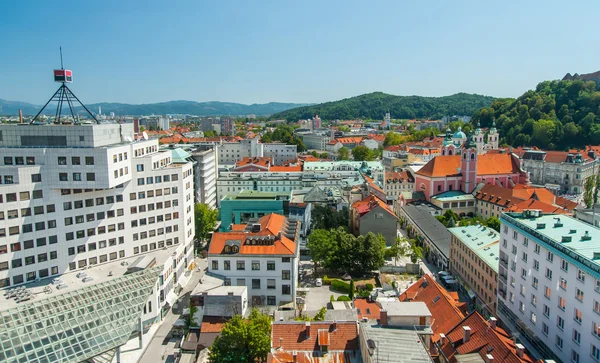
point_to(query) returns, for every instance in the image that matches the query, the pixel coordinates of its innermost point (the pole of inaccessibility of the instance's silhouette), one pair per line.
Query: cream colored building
(474, 255)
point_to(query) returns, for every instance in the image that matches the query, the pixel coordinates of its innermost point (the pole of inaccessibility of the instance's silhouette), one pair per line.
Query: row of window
(154, 245)
(12, 197)
(30, 276)
(26, 212)
(78, 204)
(64, 177)
(154, 219)
(156, 232)
(156, 179)
(19, 160)
(92, 246)
(120, 157)
(75, 160)
(256, 284)
(28, 228)
(153, 193)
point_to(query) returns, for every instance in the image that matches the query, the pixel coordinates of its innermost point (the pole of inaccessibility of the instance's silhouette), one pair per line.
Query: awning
(451, 281)
(443, 273)
(448, 277)
(180, 323)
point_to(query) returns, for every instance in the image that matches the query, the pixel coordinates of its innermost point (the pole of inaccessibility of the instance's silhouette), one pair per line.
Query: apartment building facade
(264, 257)
(549, 284)
(474, 252)
(205, 174)
(73, 197)
(279, 153)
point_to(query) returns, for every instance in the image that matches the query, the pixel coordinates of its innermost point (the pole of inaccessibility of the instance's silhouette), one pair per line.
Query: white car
(319, 282)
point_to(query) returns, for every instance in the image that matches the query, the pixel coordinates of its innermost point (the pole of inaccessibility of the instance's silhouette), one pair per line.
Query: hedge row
(340, 286)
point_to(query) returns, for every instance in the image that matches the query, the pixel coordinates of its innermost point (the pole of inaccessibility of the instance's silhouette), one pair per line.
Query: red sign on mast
(63, 75)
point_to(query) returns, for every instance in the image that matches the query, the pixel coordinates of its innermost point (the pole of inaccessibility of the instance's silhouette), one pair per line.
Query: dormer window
(235, 249)
(227, 249)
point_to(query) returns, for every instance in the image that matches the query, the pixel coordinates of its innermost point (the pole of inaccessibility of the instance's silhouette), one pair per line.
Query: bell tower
(468, 164)
(493, 137)
(479, 139)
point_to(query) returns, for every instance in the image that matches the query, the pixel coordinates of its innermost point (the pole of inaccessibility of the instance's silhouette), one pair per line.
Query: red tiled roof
(350, 140)
(535, 204)
(238, 227)
(369, 203)
(366, 309)
(483, 340)
(343, 337)
(271, 225)
(212, 324)
(262, 162)
(392, 176)
(487, 164)
(446, 311)
(286, 168)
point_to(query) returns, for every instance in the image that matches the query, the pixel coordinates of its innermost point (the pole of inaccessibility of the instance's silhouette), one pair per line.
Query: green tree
(210, 133)
(543, 131)
(206, 221)
(392, 138)
(343, 154)
(416, 251)
(343, 128)
(326, 217)
(362, 153)
(493, 223)
(398, 249)
(588, 192)
(320, 247)
(243, 340)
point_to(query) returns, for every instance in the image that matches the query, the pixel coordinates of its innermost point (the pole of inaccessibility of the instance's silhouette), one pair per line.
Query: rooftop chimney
(20, 116)
(442, 339)
(520, 350)
(466, 333)
(280, 343)
(489, 358)
(295, 356)
(493, 322)
(383, 318)
(308, 330)
(334, 325)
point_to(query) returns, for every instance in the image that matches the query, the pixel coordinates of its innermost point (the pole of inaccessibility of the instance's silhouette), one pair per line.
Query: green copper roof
(483, 241)
(77, 325)
(180, 156)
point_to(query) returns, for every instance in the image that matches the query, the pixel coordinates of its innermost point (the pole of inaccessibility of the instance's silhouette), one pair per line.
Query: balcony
(502, 293)
(504, 263)
(503, 277)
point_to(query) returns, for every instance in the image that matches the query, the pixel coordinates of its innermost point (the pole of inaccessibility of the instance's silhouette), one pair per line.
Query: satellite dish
(128, 138)
(145, 135)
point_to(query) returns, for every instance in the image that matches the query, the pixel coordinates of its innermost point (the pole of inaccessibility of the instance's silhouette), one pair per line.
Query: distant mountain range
(213, 108)
(375, 105)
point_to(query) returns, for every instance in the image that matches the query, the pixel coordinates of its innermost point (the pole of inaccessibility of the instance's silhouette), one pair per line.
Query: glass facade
(76, 325)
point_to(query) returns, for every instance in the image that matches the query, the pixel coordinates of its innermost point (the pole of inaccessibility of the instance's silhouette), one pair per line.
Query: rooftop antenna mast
(64, 95)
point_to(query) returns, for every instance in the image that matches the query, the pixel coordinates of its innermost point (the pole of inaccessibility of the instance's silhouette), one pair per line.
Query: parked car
(319, 282)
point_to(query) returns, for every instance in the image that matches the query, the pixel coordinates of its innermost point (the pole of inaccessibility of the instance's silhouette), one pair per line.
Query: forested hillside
(375, 105)
(557, 115)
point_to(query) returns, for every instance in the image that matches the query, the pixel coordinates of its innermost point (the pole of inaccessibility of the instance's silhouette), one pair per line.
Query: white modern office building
(76, 196)
(549, 285)
(205, 174)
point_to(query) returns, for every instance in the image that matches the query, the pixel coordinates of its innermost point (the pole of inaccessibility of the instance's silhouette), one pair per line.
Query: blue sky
(301, 51)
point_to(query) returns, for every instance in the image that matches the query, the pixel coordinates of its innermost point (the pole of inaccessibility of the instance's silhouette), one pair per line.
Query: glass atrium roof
(78, 325)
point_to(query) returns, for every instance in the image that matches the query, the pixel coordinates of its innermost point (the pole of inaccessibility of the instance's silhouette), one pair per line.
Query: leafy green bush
(340, 286)
(369, 287)
(343, 298)
(331, 298)
(363, 293)
(327, 280)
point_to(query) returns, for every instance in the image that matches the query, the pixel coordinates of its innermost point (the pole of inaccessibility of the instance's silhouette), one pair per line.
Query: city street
(155, 351)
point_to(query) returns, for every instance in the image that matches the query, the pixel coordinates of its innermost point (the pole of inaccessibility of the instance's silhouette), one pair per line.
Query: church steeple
(493, 137)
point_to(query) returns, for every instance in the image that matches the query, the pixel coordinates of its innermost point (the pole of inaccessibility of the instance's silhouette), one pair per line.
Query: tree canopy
(343, 153)
(375, 105)
(243, 340)
(556, 115)
(339, 251)
(325, 217)
(363, 153)
(284, 133)
(206, 220)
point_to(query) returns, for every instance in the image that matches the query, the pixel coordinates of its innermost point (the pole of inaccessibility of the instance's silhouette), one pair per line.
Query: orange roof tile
(350, 140)
(323, 337)
(366, 309)
(487, 164)
(212, 324)
(343, 337)
(286, 168)
(400, 176)
(446, 311)
(483, 340)
(535, 204)
(271, 225)
(238, 227)
(263, 162)
(369, 203)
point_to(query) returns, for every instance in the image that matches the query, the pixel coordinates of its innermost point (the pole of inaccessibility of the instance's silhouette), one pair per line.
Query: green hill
(557, 115)
(375, 105)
